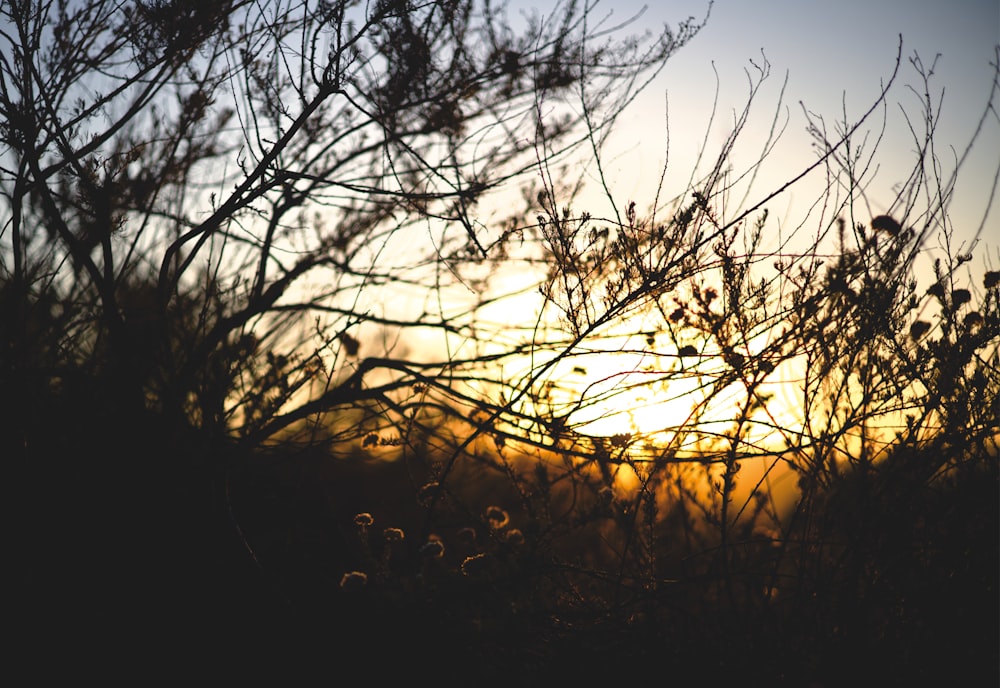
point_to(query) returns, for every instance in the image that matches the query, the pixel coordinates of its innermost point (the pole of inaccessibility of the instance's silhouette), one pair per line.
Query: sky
(835, 55)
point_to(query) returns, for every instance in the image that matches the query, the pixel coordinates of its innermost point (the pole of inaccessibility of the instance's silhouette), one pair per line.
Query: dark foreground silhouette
(130, 559)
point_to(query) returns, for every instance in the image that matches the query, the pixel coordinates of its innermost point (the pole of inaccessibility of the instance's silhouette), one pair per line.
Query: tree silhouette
(200, 201)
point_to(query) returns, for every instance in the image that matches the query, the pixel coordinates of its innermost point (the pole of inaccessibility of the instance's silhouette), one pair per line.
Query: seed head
(497, 517)
(919, 329)
(466, 536)
(353, 580)
(886, 224)
(514, 537)
(476, 565)
(429, 492)
(393, 534)
(973, 319)
(433, 549)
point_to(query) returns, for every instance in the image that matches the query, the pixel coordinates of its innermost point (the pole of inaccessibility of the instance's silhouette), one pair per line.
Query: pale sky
(836, 55)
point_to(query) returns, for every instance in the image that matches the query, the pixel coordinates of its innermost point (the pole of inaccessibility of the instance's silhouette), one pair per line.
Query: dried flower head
(991, 279)
(466, 536)
(514, 537)
(497, 517)
(364, 520)
(973, 319)
(476, 565)
(349, 343)
(919, 329)
(886, 224)
(734, 359)
(353, 580)
(393, 534)
(433, 548)
(960, 296)
(621, 439)
(429, 492)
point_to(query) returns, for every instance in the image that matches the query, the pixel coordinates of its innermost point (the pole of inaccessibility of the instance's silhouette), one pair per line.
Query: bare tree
(225, 224)
(209, 193)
